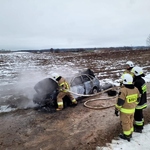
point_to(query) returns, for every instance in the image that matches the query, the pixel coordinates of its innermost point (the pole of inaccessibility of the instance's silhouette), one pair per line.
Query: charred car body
(83, 83)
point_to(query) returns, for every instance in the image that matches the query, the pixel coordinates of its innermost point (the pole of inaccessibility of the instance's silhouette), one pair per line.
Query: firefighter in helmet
(129, 65)
(139, 82)
(126, 103)
(63, 91)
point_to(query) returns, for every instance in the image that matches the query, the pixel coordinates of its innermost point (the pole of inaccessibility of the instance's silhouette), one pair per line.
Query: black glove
(116, 112)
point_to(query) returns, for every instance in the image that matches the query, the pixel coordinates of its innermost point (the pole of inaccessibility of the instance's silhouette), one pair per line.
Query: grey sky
(38, 24)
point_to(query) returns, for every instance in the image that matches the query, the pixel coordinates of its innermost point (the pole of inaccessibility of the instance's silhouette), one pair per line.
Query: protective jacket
(128, 99)
(138, 115)
(63, 91)
(126, 103)
(63, 85)
(139, 82)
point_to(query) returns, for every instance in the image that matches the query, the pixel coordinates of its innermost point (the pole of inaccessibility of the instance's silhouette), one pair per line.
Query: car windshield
(76, 81)
(85, 78)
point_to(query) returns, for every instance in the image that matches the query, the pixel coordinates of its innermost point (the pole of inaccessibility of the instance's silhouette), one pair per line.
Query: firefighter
(63, 91)
(139, 82)
(126, 103)
(129, 66)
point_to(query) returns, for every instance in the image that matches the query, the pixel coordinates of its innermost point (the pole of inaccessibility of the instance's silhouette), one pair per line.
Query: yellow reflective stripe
(127, 132)
(127, 111)
(136, 102)
(144, 88)
(132, 98)
(60, 103)
(62, 84)
(74, 100)
(141, 106)
(139, 123)
(132, 129)
(117, 106)
(65, 90)
(65, 84)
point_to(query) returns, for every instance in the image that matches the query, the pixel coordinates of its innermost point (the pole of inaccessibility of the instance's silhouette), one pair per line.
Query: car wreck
(81, 84)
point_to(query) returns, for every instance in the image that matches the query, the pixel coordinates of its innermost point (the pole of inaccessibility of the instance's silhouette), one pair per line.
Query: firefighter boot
(137, 130)
(125, 137)
(60, 105)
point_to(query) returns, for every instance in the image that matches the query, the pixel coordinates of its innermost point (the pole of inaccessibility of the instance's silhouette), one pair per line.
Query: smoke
(64, 71)
(20, 93)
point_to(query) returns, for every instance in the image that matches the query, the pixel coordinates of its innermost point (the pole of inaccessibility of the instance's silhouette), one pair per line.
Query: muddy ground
(74, 128)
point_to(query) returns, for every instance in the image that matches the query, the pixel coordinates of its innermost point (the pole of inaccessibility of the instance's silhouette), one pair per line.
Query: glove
(116, 112)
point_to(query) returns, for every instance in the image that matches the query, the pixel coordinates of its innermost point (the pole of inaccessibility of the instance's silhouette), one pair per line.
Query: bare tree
(148, 40)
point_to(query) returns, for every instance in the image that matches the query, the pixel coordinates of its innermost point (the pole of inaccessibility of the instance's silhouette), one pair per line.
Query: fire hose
(88, 106)
(101, 107)
(91, 94)
(96, 99)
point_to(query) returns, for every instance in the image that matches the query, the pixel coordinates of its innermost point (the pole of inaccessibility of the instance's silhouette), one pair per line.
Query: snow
(20, 71)
(139, 141)
(147, 78)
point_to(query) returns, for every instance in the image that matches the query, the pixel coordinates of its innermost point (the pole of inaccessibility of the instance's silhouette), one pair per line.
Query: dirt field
(74, 128)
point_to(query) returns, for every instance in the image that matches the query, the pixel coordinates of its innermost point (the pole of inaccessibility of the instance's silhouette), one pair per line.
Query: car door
(88, 85)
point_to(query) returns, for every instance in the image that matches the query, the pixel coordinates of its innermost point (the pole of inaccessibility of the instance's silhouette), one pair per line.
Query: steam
(24, 88)
(64, 71)
(20, 93)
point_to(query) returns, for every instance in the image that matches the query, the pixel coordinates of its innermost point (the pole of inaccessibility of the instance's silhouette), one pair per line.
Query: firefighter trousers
(127, 123)
(138, 119)
(60, 97)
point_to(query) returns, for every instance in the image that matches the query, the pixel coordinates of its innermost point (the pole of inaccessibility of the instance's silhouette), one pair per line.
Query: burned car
(83, 83)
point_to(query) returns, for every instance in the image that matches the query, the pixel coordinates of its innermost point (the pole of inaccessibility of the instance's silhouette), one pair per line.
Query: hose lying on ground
(96, 99)
(85, 103)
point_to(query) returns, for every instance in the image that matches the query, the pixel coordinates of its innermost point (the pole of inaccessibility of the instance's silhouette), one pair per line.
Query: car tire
(94, 90)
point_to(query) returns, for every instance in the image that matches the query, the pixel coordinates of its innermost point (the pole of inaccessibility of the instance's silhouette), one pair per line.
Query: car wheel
(94, 91)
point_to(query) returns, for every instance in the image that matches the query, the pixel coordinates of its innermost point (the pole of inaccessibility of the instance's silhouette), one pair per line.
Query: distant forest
(59, 50)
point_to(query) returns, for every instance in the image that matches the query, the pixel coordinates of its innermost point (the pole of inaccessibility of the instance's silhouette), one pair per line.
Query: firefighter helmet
(130, 63)
(127, 78)
(55, 76)
(137, 71)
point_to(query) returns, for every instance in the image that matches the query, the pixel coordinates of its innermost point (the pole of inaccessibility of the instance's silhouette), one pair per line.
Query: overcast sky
(38, 24)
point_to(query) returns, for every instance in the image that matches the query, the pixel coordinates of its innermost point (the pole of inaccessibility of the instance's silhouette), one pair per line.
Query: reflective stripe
(139, 123)
(132, 129)
(60, 103)
(127, 111)
(74, 100)
(144, 88)
(117, 106)
(132, 98)
(127, 132)
(65, 90)
(141, 106)
(64, 83)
